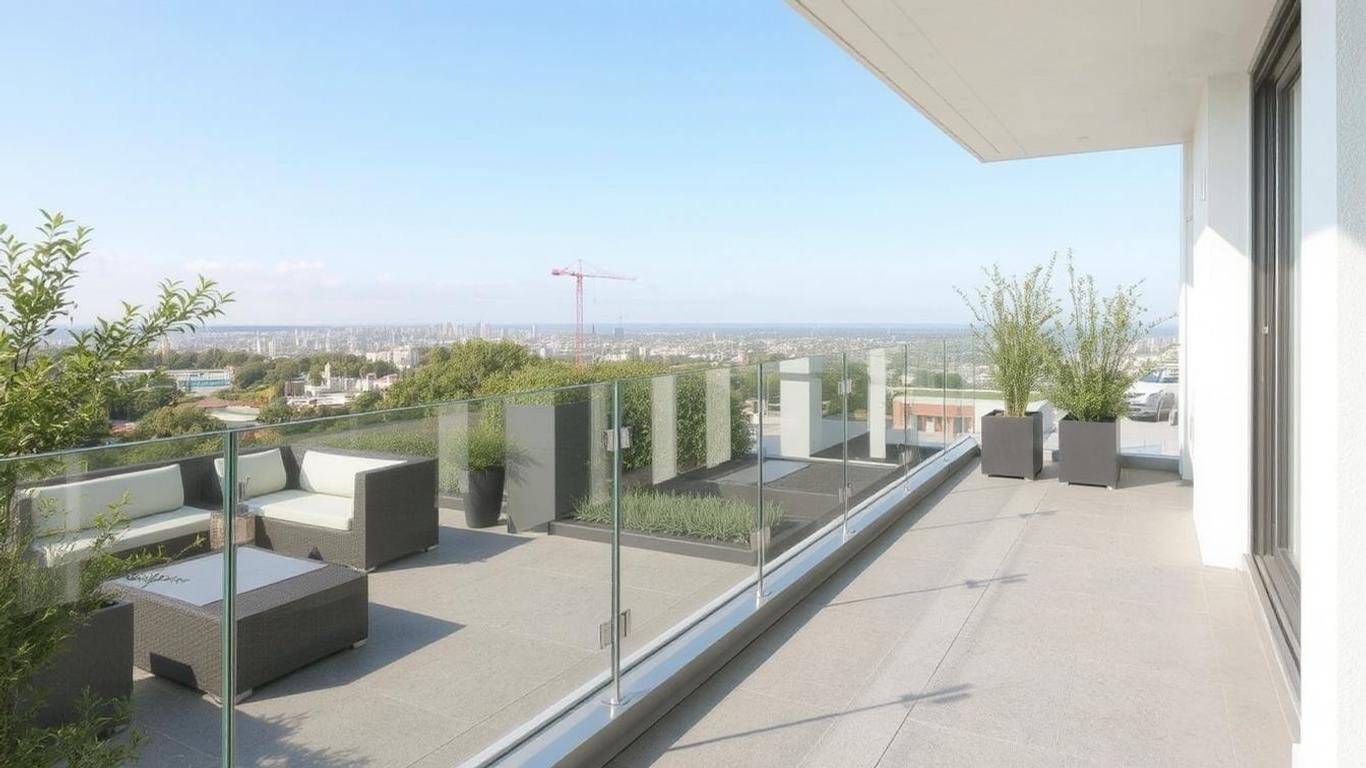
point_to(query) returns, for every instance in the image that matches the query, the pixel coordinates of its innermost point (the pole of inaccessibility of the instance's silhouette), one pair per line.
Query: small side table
(243, 528)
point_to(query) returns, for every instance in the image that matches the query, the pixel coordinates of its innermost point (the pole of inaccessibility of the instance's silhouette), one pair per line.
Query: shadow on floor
(1014, 578)
(712, 697)
(460, 546)
(275, 747)
(194, 735)
(394, 634)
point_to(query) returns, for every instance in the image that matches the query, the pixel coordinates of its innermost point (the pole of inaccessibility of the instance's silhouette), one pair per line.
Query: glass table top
(199, 580)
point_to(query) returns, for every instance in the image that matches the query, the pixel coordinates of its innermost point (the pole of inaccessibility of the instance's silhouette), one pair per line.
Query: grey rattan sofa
(346, 507)
(165, 506)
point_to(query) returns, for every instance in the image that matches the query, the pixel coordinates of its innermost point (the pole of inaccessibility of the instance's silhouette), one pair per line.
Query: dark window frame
(1276, 72)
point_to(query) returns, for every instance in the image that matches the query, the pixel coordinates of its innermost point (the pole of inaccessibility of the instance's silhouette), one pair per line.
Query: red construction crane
(577, 272)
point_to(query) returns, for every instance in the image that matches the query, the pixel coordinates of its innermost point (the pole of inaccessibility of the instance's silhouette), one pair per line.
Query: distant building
(928, 415)
(403, 357)
(194, 381)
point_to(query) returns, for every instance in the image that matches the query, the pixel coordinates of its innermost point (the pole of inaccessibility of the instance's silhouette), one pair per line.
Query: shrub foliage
(1090, 360)
(1011, 326)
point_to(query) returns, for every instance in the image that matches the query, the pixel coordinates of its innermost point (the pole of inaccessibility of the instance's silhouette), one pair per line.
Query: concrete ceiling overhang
(1027, 78)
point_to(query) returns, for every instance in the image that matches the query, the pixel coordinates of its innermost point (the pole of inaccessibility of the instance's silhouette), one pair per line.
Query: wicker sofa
(162, 506)
(350, 508)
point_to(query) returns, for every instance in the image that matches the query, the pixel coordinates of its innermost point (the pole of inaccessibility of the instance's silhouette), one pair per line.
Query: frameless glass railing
(412, 585)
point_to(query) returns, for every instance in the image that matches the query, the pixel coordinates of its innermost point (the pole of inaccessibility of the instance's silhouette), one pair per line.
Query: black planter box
(1090, 452)
(1012, 446)
(97, 655)
(549, 473)
(484, 497)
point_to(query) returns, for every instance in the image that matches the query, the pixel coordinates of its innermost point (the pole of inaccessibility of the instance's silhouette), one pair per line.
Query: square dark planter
(1089, 452)
(1012, 446)
(97, 655)
(549, 473)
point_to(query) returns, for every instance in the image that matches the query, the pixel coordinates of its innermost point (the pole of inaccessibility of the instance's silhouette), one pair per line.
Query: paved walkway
(1005, 623)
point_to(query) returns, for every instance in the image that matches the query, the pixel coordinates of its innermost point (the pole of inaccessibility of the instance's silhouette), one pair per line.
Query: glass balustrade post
(761, 546)
(229, 639)
(907, 412)
(846, 384)
(617, 446)
(944, 373)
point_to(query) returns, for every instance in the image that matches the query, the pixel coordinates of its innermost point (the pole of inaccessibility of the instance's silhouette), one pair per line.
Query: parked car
(1154, 395)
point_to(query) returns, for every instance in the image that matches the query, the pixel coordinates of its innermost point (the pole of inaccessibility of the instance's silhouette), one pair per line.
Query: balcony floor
(1004, 623)
(466, 642)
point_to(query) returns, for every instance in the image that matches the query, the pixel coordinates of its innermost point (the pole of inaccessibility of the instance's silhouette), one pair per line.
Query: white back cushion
(263, 471)
(74, 506)
(335, 474)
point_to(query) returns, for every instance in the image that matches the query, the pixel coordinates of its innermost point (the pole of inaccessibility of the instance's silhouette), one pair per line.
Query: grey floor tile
(926, 746)
(343, 731)
(740, 729)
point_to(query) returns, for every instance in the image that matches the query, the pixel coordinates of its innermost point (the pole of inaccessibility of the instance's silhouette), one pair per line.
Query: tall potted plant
(487, 474)
(1091, 368)
(1011, 326)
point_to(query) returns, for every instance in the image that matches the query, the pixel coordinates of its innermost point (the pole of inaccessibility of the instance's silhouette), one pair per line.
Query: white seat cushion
(263, 471)
(335, 474)
(74, 506)
(145, 531)
(318, 509)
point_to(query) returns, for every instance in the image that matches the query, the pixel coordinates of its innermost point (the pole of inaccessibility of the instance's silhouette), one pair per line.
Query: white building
(1268, 100)
(403, 357)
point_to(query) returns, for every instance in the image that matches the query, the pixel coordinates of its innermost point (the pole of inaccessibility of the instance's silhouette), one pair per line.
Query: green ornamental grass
(1091, 363)
(1011, 318)
(714, 518)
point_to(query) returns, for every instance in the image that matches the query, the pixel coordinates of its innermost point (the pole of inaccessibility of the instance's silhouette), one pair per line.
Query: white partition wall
(1218, 348)
(718, 416)
(663, 428)
(877, 404)
(799, 392)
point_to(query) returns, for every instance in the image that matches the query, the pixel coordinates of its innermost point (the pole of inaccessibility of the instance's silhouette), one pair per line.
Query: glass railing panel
(804, 442)
(878, 446)
(104, 655)
(688, 495)
(1154, 409)
(959, 406)
(411, 600)
(922, 405)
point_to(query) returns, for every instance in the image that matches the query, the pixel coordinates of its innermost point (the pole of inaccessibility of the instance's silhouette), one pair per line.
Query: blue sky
(381, 162)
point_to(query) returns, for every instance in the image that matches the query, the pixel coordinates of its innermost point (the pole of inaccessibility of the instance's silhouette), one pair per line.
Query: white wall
(1183, 318)
(1333, 358)
(1218, 299)
(799, 410)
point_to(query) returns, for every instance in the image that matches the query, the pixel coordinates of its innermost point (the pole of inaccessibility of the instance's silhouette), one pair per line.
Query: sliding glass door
(1276, 348)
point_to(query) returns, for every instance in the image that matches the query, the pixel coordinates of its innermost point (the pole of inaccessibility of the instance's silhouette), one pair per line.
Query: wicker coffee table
(290, 612)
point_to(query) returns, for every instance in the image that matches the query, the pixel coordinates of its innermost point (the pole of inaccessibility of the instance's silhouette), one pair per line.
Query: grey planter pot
(484, 497)
(98, 655)
(550, 473)
(1090, 452)
(1012, 446)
